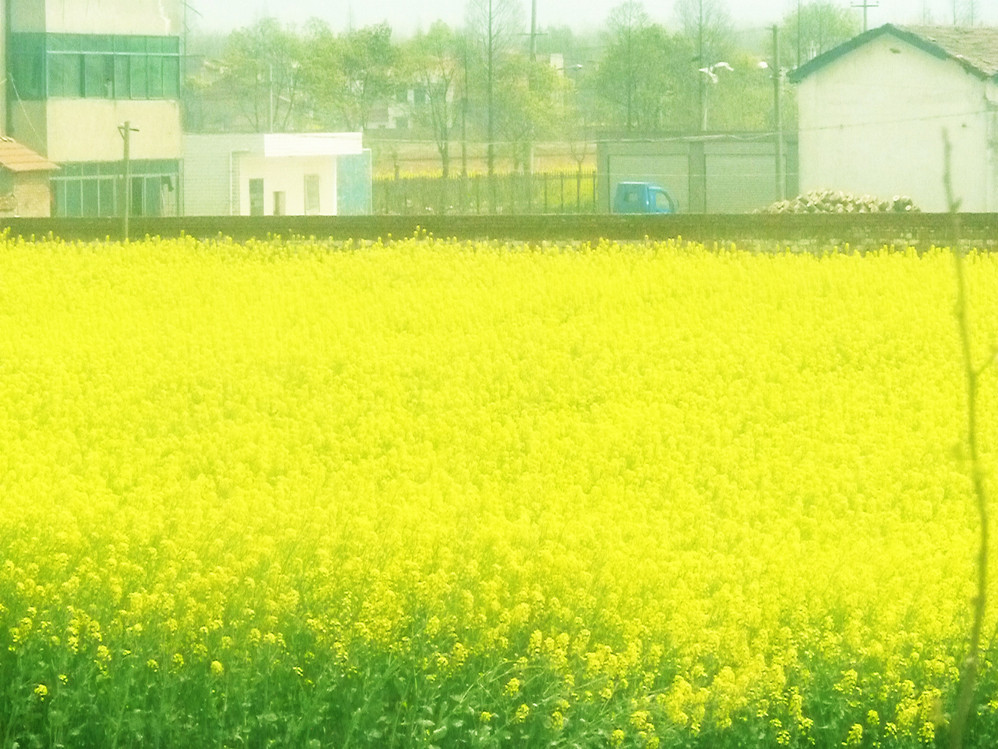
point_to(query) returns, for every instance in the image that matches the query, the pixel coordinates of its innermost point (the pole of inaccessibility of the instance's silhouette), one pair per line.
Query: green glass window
(99, 76)
(138, 86)
(135, 44)
(171, 77)
(100, 44)
(95, 66)
(91, 189)
(74, 199)
(106, 197)
(121, 85)
(28, 76)
(89, 204)
(65, 75)
(155, 73)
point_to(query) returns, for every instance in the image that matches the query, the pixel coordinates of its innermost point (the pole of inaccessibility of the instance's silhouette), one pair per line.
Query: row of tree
(495, 82)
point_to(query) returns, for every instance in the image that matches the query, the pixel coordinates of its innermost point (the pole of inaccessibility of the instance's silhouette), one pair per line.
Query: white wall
(872, 122)
(287, 174)
(152, 17)
(211, 172)
(312, 144)
(87, 129)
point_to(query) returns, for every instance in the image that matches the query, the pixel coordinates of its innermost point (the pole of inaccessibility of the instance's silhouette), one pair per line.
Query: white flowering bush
(836, 201)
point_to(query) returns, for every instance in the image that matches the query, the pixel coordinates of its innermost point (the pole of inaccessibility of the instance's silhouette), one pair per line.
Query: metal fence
(508, 194)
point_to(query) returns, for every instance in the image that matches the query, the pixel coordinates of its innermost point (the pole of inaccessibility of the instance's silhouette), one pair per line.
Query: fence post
(545, 175)
(561, 179)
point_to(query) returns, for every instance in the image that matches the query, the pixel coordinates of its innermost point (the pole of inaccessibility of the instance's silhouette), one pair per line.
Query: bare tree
(493, 29)
(707, 25)
(256, 76)
(433, 62)
(626, 24)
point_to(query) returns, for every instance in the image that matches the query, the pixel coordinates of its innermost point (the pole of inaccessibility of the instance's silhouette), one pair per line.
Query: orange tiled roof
(18, 158)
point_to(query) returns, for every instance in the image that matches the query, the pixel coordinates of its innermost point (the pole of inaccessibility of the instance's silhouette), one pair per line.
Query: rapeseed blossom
(427, 491)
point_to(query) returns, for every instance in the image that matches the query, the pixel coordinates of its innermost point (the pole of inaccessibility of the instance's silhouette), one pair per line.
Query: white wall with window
(283, 184)
(274, 174)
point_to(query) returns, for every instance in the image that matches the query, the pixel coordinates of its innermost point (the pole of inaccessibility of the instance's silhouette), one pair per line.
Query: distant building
(873, 111)
(25, 188)
(75, 72)
(305, 174)
(717, 173)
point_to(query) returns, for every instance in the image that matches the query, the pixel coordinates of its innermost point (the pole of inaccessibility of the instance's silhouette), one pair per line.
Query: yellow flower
(557, 720)
(217, 669)
(855, 735)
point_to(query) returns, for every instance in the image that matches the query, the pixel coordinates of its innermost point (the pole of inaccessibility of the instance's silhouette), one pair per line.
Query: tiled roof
(18, 158)
(974, 47)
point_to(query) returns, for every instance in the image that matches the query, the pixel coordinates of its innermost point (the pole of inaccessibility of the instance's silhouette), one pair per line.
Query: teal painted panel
(353, 184)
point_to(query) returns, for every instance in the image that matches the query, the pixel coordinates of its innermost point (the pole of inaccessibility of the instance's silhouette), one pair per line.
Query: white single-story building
(873, 113)
(273, 174)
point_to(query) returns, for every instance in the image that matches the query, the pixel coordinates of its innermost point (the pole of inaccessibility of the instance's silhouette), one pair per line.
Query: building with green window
(76, 71)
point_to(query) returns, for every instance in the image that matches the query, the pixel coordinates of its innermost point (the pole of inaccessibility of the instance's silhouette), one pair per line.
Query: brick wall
(31, 197)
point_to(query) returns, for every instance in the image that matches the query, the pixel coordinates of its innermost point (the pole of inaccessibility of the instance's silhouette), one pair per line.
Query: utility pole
(464, 113)
(798, 34)
(781, 180)
(490, 105)
(701, 63)
(865, 5)
(533, 30)
(126, 131)
(270, 98)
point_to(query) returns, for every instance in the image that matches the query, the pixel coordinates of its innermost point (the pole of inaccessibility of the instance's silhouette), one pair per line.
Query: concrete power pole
(865, 5)
(533, 30)
(126, 131)
(781, 179)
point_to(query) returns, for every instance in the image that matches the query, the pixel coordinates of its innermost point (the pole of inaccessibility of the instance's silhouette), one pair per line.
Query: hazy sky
(406, 16)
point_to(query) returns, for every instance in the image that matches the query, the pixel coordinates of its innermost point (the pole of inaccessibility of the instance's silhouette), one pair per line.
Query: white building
(273, 174)
(874, 110)
(76, 71)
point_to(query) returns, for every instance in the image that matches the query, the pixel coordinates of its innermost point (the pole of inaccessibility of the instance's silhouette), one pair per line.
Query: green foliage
(255, 79)
(817, 27)
(350, 74)
(642, 81)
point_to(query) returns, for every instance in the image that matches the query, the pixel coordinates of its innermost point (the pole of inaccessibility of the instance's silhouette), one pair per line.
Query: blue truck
(642, 197)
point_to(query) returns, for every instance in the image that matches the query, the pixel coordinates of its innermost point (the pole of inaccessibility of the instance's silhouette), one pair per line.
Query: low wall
(859, 230)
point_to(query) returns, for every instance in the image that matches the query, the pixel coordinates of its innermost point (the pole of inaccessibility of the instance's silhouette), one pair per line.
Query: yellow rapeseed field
(430, 493)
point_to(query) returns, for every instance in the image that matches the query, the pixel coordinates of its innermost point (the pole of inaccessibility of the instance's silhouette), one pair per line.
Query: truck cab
(642, 197)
